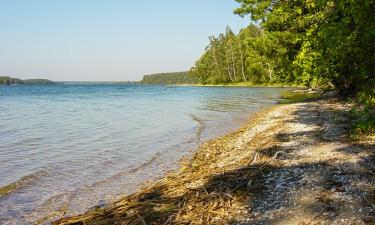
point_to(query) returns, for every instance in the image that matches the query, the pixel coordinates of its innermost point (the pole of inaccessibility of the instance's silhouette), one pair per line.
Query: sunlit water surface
(71, 147)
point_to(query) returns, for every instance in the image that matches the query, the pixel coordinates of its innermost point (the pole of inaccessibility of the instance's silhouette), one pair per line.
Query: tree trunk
(229, 73)
(215, 59)
(228, 63)
(242, 65)
(233, 63)
(269, 71)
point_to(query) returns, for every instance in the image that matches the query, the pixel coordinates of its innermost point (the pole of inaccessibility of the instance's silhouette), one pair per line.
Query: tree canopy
(313, 43)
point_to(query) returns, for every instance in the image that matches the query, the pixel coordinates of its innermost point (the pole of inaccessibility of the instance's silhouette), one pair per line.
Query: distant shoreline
(7, 81)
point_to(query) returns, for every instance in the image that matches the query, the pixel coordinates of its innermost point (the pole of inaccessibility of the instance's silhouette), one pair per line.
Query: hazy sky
(107, 39)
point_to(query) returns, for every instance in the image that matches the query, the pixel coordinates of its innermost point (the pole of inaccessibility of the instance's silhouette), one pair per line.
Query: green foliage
(232, 58)
(8, 80)
(307, 42)
(324, 42)
(5, 80)
(366, 96)
(363, 122)
(291, 97)
(169, 78)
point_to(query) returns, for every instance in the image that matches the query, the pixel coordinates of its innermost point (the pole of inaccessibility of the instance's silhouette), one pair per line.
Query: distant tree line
(169, 78)
(5, 80)
(312, 43)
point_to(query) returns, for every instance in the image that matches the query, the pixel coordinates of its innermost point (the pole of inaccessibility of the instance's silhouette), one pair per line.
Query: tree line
(6, 80)
(305, 42)
(169, 78)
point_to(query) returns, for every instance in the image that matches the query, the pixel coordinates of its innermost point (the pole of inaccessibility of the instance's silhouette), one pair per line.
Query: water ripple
(66, 148)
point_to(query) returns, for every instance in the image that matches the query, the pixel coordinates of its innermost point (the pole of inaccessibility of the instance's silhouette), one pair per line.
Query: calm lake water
(71, 147)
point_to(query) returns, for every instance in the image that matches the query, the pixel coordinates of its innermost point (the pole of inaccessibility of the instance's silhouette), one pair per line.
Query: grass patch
(362, 123)
(293, 97)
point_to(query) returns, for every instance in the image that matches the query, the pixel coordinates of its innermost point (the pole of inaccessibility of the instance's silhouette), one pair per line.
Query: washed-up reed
(213, 187)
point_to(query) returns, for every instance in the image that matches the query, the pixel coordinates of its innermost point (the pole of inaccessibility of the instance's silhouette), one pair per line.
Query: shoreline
(227, 177)
(186, 167)
(220, 115)
(242, 84)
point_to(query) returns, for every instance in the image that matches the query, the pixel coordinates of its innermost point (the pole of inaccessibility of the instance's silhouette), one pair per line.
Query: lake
(66, 148)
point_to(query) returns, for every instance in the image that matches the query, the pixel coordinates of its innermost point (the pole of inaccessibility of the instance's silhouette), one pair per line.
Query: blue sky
(104, 40)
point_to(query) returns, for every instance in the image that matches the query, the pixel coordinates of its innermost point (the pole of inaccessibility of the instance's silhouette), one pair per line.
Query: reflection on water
(66, 148)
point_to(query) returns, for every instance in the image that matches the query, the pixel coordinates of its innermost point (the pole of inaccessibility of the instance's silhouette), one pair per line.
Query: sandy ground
(319, 176)
(289, 164)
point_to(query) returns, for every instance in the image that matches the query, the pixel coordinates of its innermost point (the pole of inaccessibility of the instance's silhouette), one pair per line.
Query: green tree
(324, 42)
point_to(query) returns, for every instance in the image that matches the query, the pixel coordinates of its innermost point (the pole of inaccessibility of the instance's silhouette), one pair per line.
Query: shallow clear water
(71, 147)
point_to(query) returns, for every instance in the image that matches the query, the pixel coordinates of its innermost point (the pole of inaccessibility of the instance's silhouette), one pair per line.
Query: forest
(169, 78)
(5, 80)
(326, 43)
